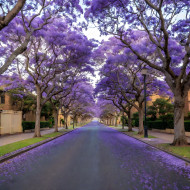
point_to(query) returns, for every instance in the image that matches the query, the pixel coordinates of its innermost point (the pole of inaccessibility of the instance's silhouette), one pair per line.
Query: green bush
(167, 117)
(135, 119)
(136, 115)
(133, 123)
(158, 124)
(136, 122)
(169, 124)
(27, 125)
(44, 124)
(124, 120)
(151, 111)
(62, 121)
(187, 125)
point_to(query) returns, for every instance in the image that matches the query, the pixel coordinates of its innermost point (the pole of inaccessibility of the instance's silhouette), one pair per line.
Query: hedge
(27, 125)
(187, 125)
(159, 124)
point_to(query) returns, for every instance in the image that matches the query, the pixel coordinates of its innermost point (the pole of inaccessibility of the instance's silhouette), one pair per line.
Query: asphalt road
(95, 157)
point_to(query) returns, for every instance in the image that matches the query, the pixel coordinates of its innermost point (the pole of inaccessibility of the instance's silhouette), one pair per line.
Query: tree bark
(4, 21)
(116, 118)
(73, 124)
(55, 115)
(123, 122)
(179, 129)
(129, 121)
(65, 118)
(38, 113)
(19, 50)
(74, 121)
(141, 129)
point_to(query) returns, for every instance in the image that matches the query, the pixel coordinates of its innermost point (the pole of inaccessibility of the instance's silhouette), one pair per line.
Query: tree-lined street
(95, 157)
(120, 69)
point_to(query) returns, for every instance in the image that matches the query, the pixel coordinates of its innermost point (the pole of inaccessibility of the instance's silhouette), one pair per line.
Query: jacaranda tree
(158, 33)
(31, 18)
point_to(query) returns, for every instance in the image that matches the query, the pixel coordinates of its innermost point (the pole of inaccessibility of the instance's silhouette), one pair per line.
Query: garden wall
(10, 122)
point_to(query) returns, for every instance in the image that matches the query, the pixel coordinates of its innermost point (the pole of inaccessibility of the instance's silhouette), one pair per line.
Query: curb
(28, 148)
(180, 157)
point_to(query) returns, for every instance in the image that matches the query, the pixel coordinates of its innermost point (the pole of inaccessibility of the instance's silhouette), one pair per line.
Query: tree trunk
(66, 126)
(123, 122)
(73, 122)
(38, 113)
(141, 129)
(179, 129)
(116, 118)
(76, 121)
(129, 121)
(55, 115)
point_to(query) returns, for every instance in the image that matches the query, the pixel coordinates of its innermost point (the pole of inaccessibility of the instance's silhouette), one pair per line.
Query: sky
(91, 33)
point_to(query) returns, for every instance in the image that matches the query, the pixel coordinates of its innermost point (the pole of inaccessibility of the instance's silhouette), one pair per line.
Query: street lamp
(144, 72)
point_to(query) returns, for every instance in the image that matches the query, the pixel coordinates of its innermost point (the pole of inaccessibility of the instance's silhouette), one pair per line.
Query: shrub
(136, 122)
(163, 106)
(167, 117)
(169, 124)
(27, 125)
(158, 124)
(187, 125)
(124, 120)
(133, 123)
(136, 115)
(151, 111)
(62, 121)
(44, 124)
(136, 119)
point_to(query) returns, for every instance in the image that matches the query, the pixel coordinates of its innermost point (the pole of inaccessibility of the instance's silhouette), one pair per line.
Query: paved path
(95, 157)
(18, 137)
(161, 137)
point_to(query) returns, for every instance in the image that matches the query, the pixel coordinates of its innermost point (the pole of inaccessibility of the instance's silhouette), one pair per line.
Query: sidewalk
(160, 137)
(18, 137)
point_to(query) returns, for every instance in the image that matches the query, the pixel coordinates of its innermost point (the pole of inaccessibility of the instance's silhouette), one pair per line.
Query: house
(7, 103)
(61, 117)
(154, 97)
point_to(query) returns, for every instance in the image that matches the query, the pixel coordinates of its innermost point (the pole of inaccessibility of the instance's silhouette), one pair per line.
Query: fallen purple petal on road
(118, 160)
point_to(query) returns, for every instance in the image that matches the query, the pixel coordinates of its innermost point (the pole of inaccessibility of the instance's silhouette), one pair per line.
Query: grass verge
(135, 134)
(21, 144)
(119, 128)
(27, 142)
(183, 151)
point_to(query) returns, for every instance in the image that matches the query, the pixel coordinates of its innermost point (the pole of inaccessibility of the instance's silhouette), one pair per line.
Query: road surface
(95, 157)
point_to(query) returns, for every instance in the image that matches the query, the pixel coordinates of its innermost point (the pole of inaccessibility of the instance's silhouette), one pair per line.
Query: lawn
(119, 128)
(21, 144)
(179, 150)
(70, 127)
(135, 134)
(132, 133)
